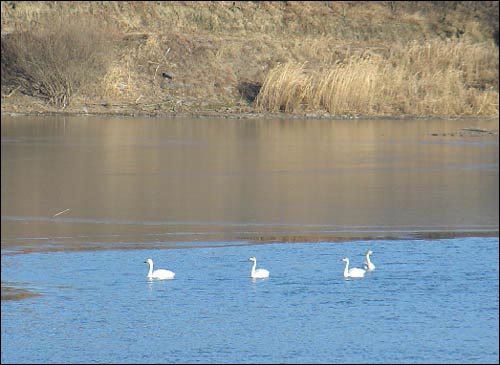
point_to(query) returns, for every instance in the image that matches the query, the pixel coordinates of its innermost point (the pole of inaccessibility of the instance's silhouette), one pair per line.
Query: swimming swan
(259, 273)
(158, 274)
(369, 265)
(354, 272)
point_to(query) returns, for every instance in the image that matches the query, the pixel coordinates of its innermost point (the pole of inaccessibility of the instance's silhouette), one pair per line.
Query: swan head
(252, 259)
(345, 259)
(148, 261)
(369, 252)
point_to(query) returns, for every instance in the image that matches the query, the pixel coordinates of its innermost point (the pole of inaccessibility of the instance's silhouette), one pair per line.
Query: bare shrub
(56, 60)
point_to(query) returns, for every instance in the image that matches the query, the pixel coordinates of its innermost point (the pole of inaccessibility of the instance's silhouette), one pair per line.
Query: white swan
(369, 265)
(259, 273)
(158, 274)
(354, 272)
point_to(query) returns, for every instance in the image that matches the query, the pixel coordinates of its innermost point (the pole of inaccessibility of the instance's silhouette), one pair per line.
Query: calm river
(86, 200)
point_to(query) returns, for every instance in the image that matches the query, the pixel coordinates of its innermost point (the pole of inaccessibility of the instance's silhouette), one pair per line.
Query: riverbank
(328, 60)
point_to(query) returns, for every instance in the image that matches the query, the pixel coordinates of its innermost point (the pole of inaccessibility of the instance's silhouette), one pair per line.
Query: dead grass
(56, 60)
(285, 88)
(431, 78)
(335, 56)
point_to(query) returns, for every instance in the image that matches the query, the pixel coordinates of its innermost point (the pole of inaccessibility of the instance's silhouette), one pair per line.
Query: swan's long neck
(150, 273)
(368, 262)
(253, 267)
(346, 270)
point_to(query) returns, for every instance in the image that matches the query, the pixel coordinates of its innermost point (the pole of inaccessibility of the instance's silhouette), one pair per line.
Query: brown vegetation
(429, 78)
(56, 60)
(341, 58)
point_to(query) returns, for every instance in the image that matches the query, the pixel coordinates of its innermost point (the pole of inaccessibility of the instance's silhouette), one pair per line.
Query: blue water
(428, 301)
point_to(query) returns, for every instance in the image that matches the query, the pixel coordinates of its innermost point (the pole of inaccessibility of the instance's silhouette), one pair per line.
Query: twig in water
(64, 211)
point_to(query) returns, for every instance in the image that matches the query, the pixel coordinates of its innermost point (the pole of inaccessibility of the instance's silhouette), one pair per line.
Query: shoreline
(243, 115)
(208, 240)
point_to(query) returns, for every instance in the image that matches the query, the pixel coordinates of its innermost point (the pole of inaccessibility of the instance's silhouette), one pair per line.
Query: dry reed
(285, 88)
(433, 78)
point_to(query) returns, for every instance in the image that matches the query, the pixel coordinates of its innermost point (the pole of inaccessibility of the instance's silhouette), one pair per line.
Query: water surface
(85, 200)
(428, 301)
(88, 183)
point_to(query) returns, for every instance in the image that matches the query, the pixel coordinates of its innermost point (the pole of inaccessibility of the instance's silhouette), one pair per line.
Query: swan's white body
(259, 273)
(158, 274)
(369, 265)
(354, 272)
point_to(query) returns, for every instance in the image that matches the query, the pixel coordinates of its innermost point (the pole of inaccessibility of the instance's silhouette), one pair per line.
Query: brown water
(92, 183)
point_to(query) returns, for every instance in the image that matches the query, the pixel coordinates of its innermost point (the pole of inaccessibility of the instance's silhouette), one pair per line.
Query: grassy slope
(218, 48)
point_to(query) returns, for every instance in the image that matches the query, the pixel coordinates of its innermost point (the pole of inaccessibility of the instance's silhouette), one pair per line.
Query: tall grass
(57, 59)
(432, 78)
(348, 87)
(285, 89)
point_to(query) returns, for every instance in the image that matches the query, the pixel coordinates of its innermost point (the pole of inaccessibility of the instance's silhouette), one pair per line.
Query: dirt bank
(251, 59)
